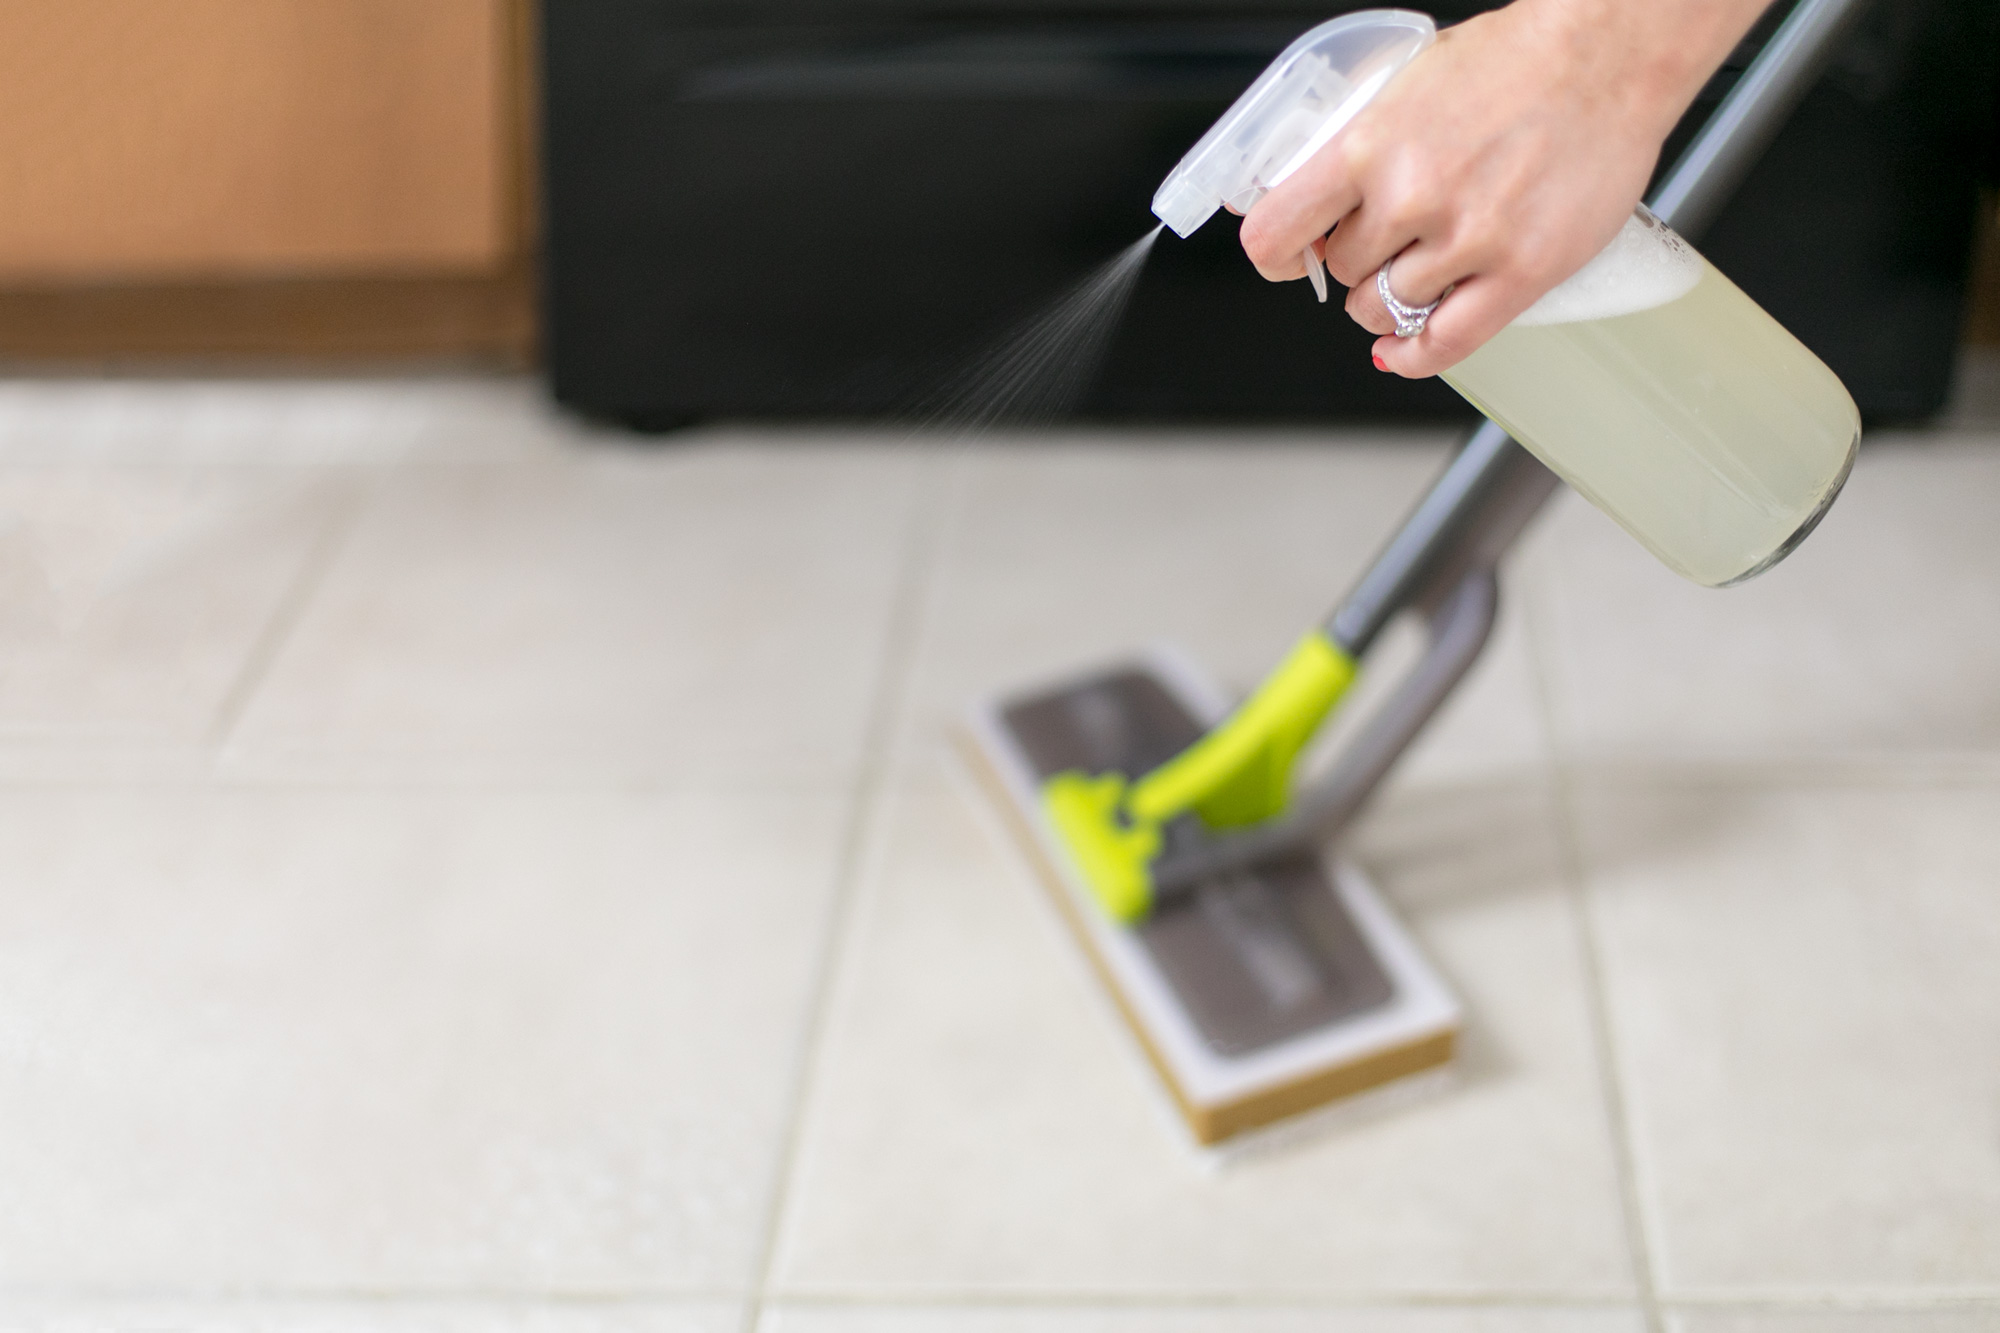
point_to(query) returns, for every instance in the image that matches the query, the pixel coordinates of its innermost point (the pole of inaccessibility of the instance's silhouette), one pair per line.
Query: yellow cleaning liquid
(1674, 403)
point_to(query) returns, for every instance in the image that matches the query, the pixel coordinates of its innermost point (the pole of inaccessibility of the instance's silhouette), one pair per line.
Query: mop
(1178, 835)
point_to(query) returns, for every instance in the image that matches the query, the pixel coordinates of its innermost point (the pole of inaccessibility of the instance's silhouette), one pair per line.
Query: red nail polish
(1380, 364)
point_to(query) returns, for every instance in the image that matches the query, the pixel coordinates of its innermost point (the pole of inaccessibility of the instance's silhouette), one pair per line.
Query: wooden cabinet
(235, 177)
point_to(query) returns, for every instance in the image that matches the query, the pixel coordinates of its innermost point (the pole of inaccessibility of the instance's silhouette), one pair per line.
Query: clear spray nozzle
(1316, 273)
(1305, 97)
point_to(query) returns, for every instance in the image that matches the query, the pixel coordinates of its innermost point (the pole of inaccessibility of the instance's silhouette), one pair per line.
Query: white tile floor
(461, 871)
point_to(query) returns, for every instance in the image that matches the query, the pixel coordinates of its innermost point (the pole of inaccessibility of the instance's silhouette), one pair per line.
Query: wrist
(1647, 58)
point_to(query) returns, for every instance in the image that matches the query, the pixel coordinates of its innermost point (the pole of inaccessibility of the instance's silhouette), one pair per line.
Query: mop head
(1263, 992)
(1237, 775)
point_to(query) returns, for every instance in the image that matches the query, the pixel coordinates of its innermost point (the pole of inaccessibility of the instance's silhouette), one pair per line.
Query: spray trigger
(1317, 272)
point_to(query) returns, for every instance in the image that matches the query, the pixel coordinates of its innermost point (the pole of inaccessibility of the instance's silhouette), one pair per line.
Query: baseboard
(486, 319)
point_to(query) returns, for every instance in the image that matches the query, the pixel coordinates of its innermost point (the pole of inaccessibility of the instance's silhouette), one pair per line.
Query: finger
(1365, 308)
(1435, 268)
(1298, 212)
(1477, 309)
(1424, 270)
(1278, 268)
(1368, 237)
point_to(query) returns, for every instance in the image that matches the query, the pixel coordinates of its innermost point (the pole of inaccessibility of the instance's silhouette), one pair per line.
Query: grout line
(1296, 1300)
(1910, 771)
(1911, 1301)
(902, 636)
(1915, 1299)
(378, 769)
(291, 608)
(232, 780)
(1642, 1240)
(238, 1296)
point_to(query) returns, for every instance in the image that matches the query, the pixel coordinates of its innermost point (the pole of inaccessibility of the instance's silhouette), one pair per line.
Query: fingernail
(1380, 364)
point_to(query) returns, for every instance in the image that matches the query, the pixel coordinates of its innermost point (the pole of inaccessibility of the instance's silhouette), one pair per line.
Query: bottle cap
(1319, 84)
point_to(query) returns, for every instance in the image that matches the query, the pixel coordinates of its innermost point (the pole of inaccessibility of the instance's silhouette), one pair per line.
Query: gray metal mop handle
(1454, 513)
(1736, 135)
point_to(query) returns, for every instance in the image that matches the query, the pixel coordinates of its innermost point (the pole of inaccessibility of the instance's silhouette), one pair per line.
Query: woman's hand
(1501, 160)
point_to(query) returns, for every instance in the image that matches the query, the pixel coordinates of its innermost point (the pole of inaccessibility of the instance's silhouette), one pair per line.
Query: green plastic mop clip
(1239, 774)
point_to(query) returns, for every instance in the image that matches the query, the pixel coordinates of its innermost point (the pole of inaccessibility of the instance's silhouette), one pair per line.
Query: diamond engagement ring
(1410, 319)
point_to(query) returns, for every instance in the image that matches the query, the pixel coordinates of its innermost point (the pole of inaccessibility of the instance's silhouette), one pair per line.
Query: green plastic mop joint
(1237, 775)
(1109, 851)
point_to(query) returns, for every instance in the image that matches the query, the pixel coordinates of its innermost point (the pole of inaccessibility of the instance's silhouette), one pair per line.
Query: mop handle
(1456, 511)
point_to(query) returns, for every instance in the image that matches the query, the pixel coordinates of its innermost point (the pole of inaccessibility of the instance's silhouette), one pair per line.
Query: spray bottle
(1646, 380)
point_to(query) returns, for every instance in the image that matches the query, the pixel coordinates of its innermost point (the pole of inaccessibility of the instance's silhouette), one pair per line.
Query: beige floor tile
(982, 1124)
(1065, 555)
(1879, 637)
(1807, 1011)
(510, 419)
(197, 422)
(1881, 1320)
(1222, 1319)
(702, 611)
(326, 1042)
(365, 1316)
(133, 599)
(208, 421)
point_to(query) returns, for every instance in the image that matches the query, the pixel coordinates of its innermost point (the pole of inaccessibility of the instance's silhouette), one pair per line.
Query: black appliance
(769, 208)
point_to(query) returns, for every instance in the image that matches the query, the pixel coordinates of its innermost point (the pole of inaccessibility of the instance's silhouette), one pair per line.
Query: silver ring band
(1410, 319)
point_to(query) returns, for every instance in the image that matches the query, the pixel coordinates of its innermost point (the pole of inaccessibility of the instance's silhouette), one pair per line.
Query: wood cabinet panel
(151, 140)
